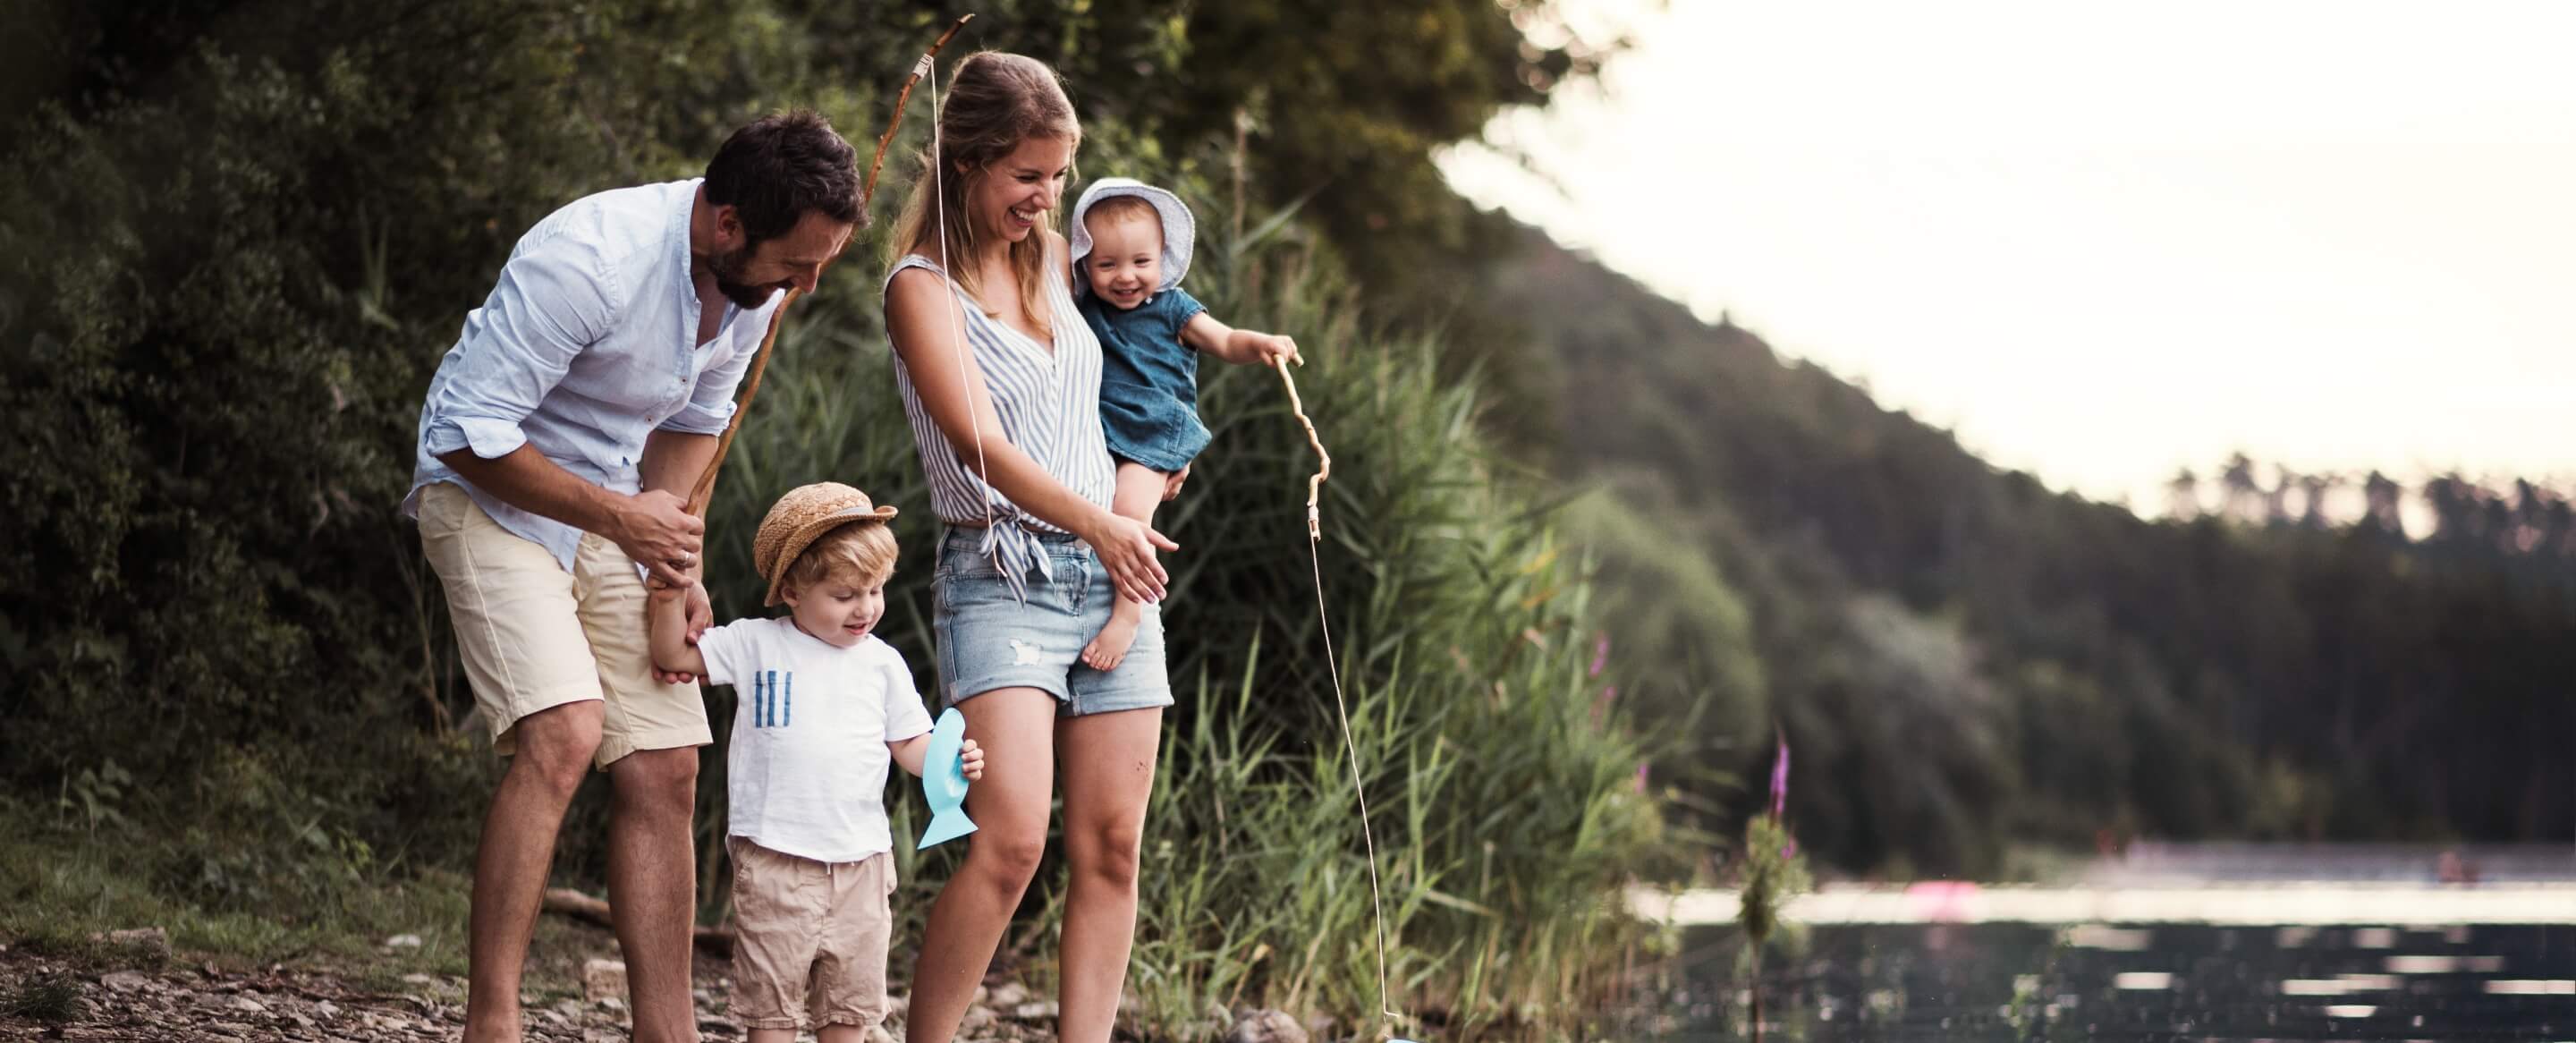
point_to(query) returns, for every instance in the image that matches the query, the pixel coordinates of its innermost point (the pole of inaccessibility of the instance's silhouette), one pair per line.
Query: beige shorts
(535, 637)
(810, 938)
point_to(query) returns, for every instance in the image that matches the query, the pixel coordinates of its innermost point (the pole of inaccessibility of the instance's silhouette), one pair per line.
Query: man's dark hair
(778, 167)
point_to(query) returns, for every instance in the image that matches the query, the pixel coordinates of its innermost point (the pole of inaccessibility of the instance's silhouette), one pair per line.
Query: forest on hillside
(1964, 659)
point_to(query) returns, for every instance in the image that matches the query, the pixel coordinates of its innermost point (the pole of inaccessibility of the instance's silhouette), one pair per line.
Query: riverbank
(132, 986)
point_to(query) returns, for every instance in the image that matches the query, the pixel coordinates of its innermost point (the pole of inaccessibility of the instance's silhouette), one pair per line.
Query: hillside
(1963, 658)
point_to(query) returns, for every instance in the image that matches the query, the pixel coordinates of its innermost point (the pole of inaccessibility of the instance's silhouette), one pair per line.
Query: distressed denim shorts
(989, 640)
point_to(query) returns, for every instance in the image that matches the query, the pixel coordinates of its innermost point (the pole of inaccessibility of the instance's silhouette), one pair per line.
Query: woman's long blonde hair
(994, 102)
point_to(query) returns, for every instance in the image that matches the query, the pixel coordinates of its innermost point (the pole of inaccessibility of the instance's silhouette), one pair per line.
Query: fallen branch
(717, 941)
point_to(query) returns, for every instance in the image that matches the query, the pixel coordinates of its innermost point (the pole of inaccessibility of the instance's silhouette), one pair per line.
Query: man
(561, 434)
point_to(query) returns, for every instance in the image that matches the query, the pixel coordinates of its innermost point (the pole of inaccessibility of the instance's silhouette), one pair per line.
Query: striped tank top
(1049, 403)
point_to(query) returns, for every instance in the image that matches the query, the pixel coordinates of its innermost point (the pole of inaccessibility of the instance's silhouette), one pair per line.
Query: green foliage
(62, 888)
(235, 236)
(44, 997)
(1771, 874)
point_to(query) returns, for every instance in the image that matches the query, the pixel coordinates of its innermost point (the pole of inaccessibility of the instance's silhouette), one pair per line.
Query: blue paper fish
(943, 780)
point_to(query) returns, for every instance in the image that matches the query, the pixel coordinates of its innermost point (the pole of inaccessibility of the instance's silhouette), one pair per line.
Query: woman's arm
(1241, 347)
(923, 320)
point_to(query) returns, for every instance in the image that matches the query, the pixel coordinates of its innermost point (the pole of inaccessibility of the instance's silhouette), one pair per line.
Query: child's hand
(1272, 349)
(663, 589)
(972, 757)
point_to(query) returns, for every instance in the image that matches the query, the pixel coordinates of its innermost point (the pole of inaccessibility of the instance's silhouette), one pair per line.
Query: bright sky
(2104, 242)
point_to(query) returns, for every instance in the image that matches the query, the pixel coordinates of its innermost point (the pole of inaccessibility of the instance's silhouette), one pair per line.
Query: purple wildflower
(1641, 776)
(1600, 654)
(1780, 779)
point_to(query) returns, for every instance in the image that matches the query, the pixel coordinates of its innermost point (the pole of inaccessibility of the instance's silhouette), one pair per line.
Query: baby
(823, 706)
(1131, 246)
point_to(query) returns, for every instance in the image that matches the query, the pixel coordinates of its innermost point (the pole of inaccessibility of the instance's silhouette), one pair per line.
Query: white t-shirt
(807, 771)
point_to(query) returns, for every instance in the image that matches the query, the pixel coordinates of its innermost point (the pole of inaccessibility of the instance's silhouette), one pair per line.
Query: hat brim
(806, 534)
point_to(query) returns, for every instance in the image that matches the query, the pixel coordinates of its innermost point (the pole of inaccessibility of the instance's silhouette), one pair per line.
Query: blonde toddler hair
(861, 553)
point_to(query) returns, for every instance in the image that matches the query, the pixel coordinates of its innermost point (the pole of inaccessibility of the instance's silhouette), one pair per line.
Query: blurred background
(2102, 453)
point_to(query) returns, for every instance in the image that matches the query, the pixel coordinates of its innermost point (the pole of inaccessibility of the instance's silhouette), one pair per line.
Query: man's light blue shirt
(586, 346)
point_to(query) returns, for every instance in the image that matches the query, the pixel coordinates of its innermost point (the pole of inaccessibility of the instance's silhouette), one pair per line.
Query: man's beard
(728, 268)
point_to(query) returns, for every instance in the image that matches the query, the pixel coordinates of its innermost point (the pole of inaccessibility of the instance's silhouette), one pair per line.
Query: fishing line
(1333, 669)
(929, 67)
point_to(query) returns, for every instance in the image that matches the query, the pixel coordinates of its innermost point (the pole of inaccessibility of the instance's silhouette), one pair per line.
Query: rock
(419, 979)
(603, 979)
(149, 942)
(245, 1003)
(878, 1034)
(1038, 1011)
(326, 1009)
(1010, 995)
(124, 981)
(403, 941)
(1266, 1026)
(611, 1004)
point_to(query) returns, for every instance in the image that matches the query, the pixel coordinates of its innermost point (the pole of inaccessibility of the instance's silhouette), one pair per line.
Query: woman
(1001, 380)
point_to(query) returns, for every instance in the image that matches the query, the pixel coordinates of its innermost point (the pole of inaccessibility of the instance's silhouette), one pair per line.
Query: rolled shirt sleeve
(551, 302)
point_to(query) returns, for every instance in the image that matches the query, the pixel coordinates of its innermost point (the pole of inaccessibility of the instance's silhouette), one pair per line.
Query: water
(2134, 982)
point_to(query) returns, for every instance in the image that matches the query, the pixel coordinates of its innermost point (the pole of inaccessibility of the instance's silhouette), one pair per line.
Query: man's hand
(701, 615)
(1172, 483)
(655, 528)
(972, 758)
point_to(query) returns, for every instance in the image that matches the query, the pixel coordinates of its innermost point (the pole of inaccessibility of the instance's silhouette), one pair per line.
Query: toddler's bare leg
(1139, 489)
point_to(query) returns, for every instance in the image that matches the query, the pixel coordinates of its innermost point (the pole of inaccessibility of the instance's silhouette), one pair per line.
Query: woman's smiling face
(1018, 190)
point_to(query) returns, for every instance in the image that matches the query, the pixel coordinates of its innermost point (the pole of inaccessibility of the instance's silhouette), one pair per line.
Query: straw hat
(1180, 231)
(801, 517)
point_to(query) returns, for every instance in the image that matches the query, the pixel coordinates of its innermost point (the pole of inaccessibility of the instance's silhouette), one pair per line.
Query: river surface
(2131, 982)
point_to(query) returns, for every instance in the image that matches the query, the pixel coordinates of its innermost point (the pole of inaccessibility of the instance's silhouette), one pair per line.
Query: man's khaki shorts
(809, 938)
(535, 637)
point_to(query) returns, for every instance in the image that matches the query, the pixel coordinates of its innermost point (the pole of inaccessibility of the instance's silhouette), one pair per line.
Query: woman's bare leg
(1108, 765)
(1139, 489)
(1016, 728)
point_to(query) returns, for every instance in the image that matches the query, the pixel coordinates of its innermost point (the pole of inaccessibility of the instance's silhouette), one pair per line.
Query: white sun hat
(1180, 230)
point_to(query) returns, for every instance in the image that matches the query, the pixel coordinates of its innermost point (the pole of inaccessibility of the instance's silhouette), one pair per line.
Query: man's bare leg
(554, 751)
(653, 886)
(1139, 489)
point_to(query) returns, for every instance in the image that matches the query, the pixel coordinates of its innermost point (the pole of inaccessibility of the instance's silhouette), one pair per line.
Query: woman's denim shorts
(989, 640)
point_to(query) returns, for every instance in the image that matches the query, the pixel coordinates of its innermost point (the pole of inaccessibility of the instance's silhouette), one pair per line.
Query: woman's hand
(1126, 548)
